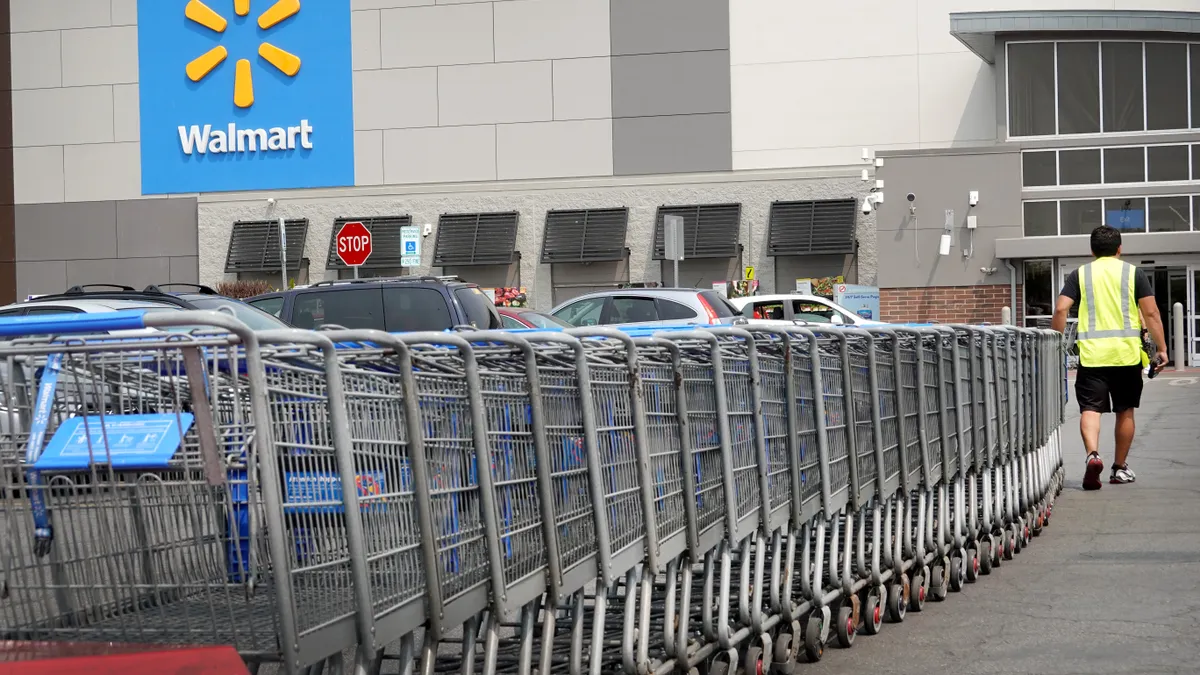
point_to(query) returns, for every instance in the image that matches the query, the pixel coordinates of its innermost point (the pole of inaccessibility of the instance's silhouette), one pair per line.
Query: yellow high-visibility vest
(1109, 330)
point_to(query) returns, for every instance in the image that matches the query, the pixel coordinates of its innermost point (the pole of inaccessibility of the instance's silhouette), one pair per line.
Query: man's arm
(1067, 297)
(1059, 322)
(1154, 324)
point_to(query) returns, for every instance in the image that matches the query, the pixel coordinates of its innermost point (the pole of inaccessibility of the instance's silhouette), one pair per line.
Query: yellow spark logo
(243, 84)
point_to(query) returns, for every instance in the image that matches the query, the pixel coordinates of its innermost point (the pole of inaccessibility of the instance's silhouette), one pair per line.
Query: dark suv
(395, 305)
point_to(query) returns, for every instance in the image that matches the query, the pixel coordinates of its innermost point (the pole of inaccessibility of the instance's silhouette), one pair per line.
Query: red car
(516, 317)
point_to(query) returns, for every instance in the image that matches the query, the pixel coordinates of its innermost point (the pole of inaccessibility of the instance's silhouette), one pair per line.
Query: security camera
(866, 207)
(912, 197)
(270, 201)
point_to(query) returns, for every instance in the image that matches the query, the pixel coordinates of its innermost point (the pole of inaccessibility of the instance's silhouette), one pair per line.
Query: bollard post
(1177, 335)
(1006, 316)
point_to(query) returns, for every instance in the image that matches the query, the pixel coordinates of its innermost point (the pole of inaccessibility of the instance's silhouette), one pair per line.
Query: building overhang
(978, 30)
(1159, 243)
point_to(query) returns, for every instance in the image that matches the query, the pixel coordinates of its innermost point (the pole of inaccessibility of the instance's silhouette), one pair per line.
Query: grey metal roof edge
(1138, 244)
(978, 30)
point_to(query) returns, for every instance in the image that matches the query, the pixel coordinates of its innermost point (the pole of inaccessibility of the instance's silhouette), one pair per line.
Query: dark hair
(1105, 241)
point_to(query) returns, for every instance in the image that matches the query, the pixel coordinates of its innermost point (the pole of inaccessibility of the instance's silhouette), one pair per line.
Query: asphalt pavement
(1111, 586)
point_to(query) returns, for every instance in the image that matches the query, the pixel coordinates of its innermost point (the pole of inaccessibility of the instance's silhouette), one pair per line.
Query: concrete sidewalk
(1111, 586)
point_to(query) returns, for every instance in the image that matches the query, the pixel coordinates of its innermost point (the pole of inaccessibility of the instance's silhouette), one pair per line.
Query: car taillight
(713, 319)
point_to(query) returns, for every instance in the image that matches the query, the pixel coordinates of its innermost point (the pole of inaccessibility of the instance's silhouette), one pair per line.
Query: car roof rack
(387, 280)
(198, 288)
(82, 289)
(113, 292)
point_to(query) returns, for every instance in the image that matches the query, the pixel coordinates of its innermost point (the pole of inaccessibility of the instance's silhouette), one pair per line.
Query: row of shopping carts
(681, 500)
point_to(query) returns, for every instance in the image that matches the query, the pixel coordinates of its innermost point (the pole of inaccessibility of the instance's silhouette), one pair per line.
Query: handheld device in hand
(1153, 369)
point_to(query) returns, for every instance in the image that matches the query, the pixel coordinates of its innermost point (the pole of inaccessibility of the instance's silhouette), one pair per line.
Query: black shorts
(1109, 389)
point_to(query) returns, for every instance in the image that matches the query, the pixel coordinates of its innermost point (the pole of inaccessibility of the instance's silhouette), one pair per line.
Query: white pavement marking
(1181, 381)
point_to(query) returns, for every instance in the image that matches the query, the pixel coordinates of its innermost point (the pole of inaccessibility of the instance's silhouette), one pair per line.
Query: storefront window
(1080, 216)
(1125, 214)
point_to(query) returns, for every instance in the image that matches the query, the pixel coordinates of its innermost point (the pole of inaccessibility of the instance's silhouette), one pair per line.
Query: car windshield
(540, 320)
(253, 317)
(480, 311)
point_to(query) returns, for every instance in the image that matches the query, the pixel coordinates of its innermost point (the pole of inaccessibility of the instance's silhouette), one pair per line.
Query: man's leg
(1125, 431)
(1091, 390)
(1127, 396)
(1089, 428)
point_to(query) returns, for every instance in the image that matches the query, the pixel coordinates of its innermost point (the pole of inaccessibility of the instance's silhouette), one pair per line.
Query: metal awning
(386, 248)
(709, 231)
(254, 245)
(1072, 246)
(587, 235)
(978, 30)
(822, 227)
(475, 239)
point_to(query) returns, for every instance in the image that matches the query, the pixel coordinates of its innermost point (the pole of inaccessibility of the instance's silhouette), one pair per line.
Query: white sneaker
(1122, 475)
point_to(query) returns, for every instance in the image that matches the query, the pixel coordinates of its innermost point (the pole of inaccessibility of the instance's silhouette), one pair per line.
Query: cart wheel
(916, 598)
(784, 658)
(938, 582)
(814, 646)
(958, 569)
(719, 667)
(754, 664)
(986, 548)
(846, 630)
(897, 601)
(873, 613)
(972, 565)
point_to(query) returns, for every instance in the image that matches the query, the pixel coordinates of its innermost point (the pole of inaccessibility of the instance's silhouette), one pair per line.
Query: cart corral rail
(646, 501)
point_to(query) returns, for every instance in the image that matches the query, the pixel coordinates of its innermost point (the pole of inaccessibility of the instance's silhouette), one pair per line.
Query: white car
(786, 309)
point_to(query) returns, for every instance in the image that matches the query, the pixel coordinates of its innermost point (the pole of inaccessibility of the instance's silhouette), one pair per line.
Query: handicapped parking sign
(410, 237)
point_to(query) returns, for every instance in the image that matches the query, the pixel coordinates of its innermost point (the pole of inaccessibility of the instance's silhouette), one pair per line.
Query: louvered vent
(254, 245)
(475, 239)
(589, 235)
(709, 231)
(812, 228)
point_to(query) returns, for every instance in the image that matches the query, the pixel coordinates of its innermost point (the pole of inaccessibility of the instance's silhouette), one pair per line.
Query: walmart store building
(542, 141)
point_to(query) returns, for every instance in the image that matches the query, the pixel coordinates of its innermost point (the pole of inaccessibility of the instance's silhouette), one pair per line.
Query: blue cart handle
(57, 324)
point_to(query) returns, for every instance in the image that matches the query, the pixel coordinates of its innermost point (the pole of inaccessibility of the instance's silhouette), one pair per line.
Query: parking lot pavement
(1111, 586)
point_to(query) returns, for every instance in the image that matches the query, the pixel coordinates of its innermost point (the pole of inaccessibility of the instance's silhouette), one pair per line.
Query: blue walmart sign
(245, 95)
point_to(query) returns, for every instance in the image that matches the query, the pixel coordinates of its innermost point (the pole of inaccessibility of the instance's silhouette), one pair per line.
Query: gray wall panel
(71, 231)
(135, 272)
(156, 227)
(186, 269)
(134, 243)
(941, 183)
(671, 97)
(40, 278)
(661, 26)
(672, 144)
(670, 84)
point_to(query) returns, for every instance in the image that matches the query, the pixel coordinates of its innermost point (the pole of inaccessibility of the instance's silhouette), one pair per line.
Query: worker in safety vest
(1109, 292)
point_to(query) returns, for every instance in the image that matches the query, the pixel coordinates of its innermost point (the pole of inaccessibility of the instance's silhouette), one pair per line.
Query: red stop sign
(354, 244)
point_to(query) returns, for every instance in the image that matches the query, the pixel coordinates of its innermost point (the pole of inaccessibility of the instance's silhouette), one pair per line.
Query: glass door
(1192, 320)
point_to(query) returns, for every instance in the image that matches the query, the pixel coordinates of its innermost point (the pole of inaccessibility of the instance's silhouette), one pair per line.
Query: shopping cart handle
(57, 324)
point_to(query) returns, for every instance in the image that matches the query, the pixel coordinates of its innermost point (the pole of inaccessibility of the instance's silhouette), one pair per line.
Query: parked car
(792, 308)
(90, 299)
(394, 304)
(513, 317)
(648, 306)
